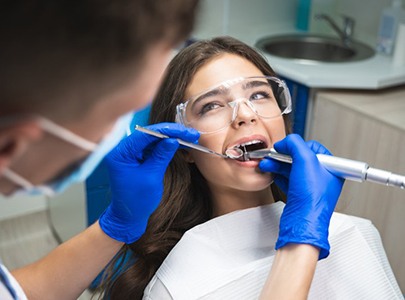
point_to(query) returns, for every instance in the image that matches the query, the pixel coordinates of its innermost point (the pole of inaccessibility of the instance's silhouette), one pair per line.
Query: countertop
(374, 73)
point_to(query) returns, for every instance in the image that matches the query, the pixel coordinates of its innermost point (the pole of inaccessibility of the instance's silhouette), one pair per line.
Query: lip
(247, 163)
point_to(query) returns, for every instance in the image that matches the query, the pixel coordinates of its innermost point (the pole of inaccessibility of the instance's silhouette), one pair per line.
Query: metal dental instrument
(342, 167)
(181, 142)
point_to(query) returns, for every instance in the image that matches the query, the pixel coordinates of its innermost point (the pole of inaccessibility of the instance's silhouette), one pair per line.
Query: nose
(244, 114)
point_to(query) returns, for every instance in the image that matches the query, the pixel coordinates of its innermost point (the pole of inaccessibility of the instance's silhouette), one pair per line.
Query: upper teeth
(250, 143)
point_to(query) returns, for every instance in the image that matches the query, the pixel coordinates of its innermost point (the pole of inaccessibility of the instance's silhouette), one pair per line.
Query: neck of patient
(226, 201)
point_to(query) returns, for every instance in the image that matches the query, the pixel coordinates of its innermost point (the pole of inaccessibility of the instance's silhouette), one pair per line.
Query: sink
(314, 48)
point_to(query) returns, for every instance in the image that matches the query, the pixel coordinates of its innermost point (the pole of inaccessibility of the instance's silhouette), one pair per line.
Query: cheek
(146, 86)
(209, 164)
(147, 89)
(276, 129)
(213, 141)
(139, 94)
(212, 169)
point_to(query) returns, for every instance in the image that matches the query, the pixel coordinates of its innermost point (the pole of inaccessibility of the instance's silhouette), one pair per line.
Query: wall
(366, 13)
(244, 19)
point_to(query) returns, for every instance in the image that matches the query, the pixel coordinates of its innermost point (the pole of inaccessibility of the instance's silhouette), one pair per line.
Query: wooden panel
(355, 126)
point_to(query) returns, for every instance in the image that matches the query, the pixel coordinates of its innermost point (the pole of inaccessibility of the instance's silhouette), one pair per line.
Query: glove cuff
(304, 233)
(115, 229)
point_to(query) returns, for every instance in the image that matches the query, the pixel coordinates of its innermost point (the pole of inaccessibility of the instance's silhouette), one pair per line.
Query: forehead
(219, 69)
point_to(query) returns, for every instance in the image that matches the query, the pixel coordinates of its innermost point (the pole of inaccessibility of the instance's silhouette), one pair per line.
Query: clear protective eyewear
(215, 109)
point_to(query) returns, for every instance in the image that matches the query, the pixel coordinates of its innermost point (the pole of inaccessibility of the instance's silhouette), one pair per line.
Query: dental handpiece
(342, 167)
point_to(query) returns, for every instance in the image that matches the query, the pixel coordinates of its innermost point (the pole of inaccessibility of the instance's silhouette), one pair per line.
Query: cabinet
(368, 126)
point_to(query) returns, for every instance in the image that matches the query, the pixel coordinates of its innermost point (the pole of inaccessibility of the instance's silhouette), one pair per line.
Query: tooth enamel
(250, 143)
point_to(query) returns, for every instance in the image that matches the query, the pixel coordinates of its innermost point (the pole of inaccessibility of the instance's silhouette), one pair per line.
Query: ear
(16, 138)
(187, 156)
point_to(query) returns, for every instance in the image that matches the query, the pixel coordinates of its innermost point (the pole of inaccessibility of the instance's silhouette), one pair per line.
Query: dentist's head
(70, 74)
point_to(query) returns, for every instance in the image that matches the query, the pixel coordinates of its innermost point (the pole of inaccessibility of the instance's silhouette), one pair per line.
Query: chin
(255, 184)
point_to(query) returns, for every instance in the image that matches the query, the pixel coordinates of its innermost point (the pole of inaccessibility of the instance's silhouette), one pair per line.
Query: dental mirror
(234, 153)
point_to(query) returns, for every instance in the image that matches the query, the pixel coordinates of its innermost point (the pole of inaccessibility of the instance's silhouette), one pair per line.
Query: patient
(214, 234)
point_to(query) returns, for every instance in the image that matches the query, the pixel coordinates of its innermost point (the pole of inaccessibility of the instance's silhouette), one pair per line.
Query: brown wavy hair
(186, 200)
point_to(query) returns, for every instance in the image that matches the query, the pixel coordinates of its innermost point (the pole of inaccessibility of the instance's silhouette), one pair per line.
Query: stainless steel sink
(314, 48)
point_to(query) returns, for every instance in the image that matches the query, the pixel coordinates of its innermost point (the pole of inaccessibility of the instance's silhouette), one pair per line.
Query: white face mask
(120, 130)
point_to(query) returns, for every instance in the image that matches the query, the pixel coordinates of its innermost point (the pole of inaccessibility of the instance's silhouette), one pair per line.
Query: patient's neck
(226, 201)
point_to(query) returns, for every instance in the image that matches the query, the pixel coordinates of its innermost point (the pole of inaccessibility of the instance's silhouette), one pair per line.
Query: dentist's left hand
(136, 170)
(312, 193)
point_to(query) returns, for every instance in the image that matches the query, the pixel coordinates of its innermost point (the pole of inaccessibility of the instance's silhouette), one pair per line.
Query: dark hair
(54, 52)
(186, 201)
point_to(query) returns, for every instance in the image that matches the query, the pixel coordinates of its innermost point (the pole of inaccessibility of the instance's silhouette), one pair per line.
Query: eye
(260, 96)
(209, 107)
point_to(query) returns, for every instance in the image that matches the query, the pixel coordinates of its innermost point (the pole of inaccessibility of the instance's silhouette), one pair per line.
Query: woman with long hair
(222, 226)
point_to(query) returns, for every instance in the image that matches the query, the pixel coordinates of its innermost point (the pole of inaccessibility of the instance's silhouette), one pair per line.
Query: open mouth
(240, 152)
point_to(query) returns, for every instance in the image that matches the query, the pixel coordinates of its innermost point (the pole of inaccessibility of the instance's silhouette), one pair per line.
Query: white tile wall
(244, 19)
(366, 13)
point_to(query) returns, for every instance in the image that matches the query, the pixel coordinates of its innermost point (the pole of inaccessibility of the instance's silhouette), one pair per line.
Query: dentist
(71, 74)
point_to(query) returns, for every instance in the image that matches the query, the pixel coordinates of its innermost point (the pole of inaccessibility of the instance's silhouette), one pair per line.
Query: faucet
(346, 33)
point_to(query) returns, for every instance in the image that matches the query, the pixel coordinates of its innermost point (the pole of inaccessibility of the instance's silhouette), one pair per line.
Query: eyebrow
(215, 92)
(256, 83)
(221, 91)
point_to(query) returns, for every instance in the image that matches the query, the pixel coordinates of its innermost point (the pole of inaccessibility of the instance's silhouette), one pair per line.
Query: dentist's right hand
(312, 193)
(136, 170)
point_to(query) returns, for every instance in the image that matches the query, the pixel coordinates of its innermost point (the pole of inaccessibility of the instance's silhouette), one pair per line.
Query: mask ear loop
(63, 134)
(20, 181)
(67, 135)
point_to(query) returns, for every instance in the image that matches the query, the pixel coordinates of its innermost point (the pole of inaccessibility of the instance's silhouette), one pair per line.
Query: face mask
(120, 130)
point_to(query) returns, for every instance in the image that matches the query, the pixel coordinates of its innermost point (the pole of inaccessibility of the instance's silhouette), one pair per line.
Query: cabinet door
(352, 134)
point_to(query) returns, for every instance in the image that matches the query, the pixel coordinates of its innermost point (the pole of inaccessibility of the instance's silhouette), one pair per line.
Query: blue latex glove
(136, 170)
(312, 193)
